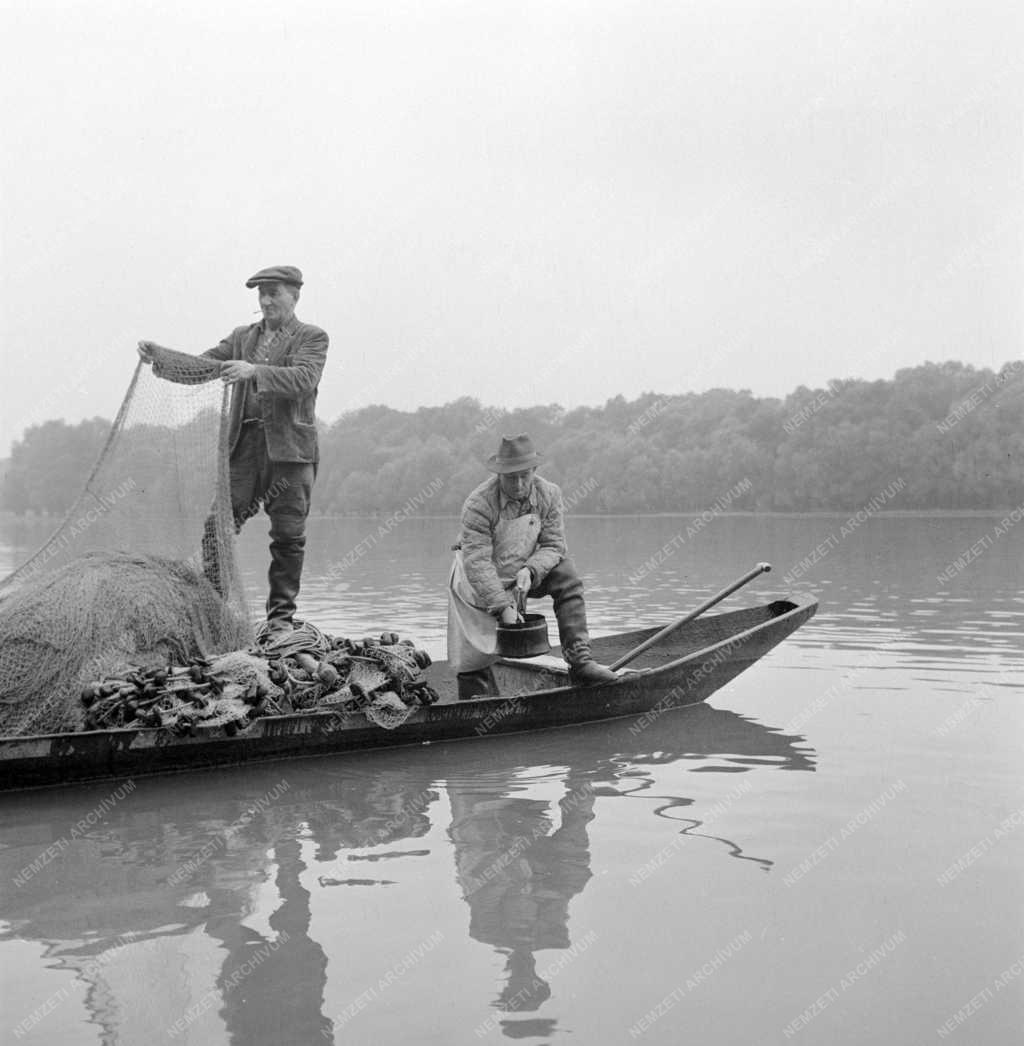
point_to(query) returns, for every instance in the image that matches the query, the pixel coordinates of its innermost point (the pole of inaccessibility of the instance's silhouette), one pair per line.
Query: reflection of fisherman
(391, 806)
(275, 366)
(512, 543)
(272, 988)
(518, 880)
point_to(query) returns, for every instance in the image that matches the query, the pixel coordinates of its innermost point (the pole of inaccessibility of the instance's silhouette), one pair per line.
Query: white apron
(473, 632)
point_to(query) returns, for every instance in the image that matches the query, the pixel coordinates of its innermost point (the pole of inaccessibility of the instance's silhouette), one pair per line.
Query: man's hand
(509, 616)
(146, 350)
(524, 580)
(236, 370)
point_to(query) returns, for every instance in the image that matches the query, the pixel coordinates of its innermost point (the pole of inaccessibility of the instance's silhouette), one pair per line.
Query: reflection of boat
(191, 881)
(683, 669)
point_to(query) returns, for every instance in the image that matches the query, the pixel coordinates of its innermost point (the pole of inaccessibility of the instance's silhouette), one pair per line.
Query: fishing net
(305, 673)
(243, 673)
(366, 677)
(387, 710)
(143, 567)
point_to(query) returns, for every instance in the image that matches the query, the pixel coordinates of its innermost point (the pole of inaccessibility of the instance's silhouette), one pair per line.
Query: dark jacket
(287, 384)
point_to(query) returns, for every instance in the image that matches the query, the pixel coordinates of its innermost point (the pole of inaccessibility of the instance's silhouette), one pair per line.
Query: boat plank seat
(549, 663)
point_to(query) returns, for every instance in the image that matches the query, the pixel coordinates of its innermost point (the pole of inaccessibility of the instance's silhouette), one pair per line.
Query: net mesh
(143, 568)
(387, 710)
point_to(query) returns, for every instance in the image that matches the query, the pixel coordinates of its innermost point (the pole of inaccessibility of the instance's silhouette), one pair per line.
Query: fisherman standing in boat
(275, 367)
(512, 544)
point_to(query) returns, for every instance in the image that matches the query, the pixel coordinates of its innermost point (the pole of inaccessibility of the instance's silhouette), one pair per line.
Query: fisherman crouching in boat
(512, 544)
(275, 367)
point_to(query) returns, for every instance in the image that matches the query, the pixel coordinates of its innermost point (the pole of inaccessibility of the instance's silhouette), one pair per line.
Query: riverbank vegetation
(946, 436)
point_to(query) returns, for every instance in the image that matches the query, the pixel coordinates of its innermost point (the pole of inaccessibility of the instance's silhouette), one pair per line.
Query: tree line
(949, 433)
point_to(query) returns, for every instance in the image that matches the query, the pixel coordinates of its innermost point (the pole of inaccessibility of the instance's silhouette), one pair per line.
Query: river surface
(830, 851)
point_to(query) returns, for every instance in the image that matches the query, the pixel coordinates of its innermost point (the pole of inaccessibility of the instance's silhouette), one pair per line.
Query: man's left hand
(236, 370)
(524, 580)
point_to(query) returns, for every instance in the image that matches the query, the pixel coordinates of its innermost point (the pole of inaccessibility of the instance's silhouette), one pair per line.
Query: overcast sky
(522, 202)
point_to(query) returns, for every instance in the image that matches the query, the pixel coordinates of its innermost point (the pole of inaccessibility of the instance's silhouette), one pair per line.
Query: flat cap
(276, 274)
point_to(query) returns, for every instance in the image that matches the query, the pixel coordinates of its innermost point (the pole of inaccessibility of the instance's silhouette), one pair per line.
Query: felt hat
(276, 274)
(515, 454)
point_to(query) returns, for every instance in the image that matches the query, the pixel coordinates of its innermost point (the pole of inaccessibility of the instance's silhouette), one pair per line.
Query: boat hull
(686, 669)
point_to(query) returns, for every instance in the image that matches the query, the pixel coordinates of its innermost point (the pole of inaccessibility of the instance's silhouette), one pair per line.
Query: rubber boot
(590, 673)
(564, 586)
(479, 683)
(287, 553)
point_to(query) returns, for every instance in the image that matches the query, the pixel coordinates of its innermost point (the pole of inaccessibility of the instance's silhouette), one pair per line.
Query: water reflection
(207, 858)
(361, 857)
(272, 987)
(518, 873)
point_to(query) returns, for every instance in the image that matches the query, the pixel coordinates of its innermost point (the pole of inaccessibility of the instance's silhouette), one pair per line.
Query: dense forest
(945, 436)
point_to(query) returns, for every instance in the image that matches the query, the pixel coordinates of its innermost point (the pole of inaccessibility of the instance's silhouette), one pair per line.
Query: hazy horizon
(524, 203)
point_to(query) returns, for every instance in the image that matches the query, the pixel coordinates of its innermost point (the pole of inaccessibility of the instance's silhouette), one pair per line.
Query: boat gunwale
(669, 666)
(421, 714)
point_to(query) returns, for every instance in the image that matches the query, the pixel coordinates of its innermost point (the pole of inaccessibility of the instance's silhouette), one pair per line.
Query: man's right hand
(145, 349)
(509, 616)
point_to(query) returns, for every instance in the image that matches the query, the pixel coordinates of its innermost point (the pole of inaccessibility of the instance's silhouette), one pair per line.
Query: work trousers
(565, 588)
(284, 490)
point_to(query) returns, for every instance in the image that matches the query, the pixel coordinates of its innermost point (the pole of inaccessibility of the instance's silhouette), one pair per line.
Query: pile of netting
(142, 572)
(102, 615)
(303, 672)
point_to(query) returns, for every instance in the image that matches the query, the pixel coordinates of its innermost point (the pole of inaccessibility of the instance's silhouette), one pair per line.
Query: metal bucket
(526, 639)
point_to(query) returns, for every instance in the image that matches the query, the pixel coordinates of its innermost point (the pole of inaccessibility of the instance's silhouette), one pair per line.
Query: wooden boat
(685, 668)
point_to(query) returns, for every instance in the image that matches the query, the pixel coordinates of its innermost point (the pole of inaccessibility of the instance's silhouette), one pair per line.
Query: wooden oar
(761, 568)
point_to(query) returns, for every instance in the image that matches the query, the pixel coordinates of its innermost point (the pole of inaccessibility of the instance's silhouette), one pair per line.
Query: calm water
(831, 851)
